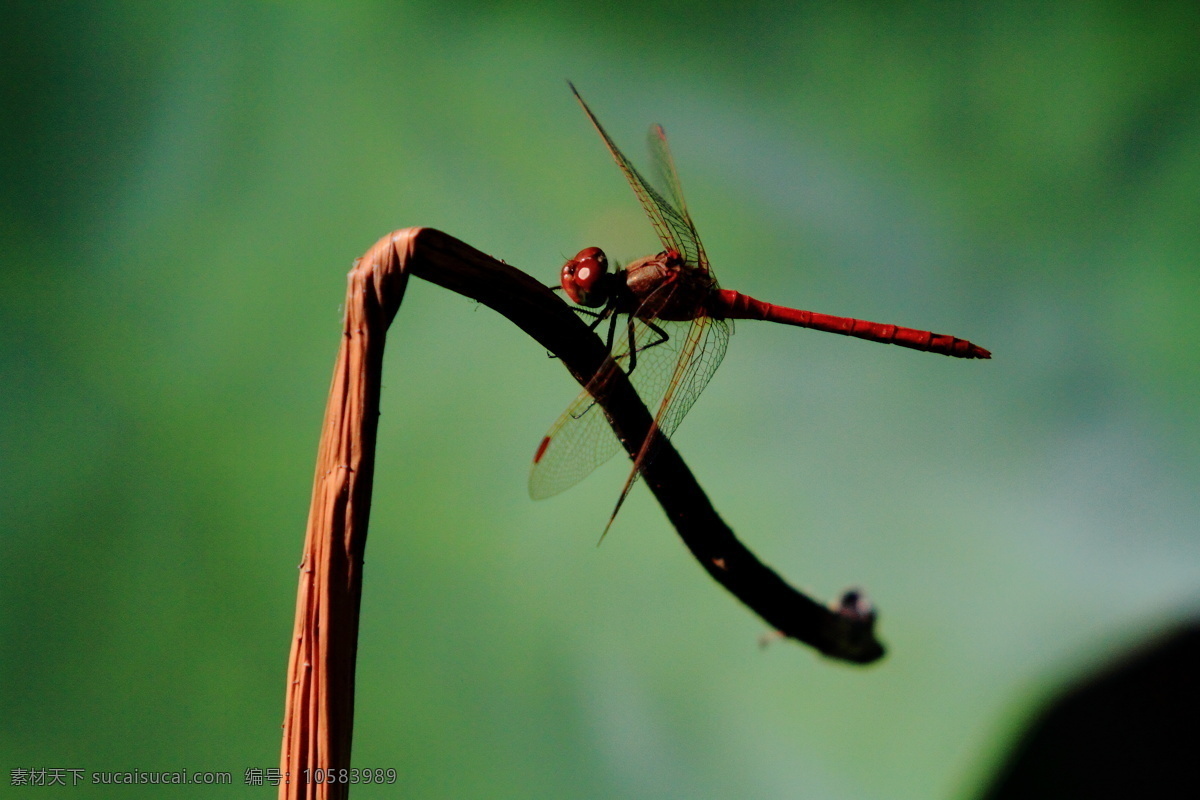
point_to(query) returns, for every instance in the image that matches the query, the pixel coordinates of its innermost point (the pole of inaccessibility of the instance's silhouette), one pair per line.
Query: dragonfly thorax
(667, 287)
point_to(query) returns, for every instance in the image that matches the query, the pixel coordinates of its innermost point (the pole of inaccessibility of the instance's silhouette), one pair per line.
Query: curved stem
(319, 708)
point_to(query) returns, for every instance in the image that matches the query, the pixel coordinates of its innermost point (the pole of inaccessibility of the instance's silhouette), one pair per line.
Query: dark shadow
(1130, 730)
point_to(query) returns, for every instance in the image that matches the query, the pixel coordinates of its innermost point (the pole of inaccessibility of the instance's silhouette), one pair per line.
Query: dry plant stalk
(319, 705)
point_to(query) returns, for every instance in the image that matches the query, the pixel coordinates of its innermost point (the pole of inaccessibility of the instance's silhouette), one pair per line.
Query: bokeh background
(184, 186)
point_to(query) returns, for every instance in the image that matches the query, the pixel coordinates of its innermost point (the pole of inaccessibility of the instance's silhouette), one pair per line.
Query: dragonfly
(667, 324)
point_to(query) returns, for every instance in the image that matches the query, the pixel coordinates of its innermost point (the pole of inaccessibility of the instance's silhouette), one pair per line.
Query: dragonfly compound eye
(582, 277)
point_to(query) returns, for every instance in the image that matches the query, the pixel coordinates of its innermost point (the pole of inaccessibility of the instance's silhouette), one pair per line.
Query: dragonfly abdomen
(735, 305)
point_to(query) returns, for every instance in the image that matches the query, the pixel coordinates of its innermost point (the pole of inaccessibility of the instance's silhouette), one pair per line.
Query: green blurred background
(184, 186)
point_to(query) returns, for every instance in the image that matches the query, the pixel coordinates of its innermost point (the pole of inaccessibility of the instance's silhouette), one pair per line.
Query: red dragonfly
(667, 328)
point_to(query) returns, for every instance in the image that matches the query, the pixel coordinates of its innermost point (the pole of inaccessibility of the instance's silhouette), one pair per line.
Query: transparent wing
(700, 354)
(671, 223)
(668, 375)
(581, 439)
(668, 176)
(703, 348)
(576, 444)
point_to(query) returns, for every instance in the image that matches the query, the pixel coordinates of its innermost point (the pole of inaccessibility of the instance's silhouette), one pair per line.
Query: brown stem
(319, 707)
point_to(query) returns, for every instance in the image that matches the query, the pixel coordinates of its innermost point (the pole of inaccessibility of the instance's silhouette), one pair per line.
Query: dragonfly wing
(582, 439)
(672, 224)
(668, 176)
(578, 442)
(700, 353)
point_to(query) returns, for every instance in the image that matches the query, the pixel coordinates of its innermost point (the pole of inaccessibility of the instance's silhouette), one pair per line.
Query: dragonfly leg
(590, 406)
(609, 314)
(612, 329)
(663, 337)
(596, 322)
(588, 313)
(632, 345)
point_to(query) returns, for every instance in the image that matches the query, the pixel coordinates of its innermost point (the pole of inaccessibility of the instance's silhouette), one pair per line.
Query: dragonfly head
(583, 277)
